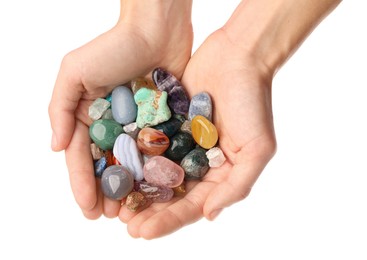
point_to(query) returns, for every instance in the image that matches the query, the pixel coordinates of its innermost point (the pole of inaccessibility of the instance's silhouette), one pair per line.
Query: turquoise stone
(170, 127)
(152, 107)
(180, 145)
(195, 164)
(104, 133)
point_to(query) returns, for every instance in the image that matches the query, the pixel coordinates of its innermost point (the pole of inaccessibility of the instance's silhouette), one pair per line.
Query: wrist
(271, 31)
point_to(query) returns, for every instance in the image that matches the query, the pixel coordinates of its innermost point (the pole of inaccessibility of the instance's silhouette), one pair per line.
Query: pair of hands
(240, 87)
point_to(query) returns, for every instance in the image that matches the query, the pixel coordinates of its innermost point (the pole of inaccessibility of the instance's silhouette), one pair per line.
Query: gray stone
(98, 107)
(117, 182)
(201, 104)
(124, 109)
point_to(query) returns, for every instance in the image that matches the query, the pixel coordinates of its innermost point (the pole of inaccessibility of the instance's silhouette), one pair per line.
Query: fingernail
(53, 141)
(215, 214)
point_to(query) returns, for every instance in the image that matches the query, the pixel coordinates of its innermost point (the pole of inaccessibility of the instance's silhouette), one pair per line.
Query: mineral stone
(124, 109)
(161, 171)
(104, 133)
(98, 107)
(204, 132)
(107, 114)
(169, 127)
(154, 193)
(180, 145)
(117, 182)
(186, 127)
(180, 190)
(152, 107)
(135, 200)
(201, 104)
(152, 142)
(178, 100)
(97, 153)
(132, 130)
(100, 166)
(127, 153)
(139, 83)
(216, 157)
(195, 164)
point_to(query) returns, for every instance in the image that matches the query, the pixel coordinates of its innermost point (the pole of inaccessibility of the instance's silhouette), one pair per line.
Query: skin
(235, 65)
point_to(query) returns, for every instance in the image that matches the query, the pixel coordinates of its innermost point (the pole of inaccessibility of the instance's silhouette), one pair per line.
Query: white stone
(132, 130)
(216, 157)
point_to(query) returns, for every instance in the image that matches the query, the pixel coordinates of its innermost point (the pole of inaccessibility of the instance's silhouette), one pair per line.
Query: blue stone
(124, 109)
(100, 166)
(201, 104)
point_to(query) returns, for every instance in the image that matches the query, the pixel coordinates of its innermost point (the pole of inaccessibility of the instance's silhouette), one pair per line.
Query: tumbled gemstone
(154, 193)
(104, 133)
(135, 200)
(132, 130)
(195, 164)
(124, 109)
(152, 107)
(178, 100)
(139, 83)
(180, 145)
(180, 190)
(204, 132)
(201, 104)
(107, 114)
(97, 153)
(186, 127)
(152, 142)
(161, 171)
(216, 157)
(111, 159)
(100, 166)
(128, 154)
(98, 107)
(170, 127)
(117, 182)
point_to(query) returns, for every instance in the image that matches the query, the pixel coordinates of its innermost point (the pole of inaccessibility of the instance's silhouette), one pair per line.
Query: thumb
(64, 101)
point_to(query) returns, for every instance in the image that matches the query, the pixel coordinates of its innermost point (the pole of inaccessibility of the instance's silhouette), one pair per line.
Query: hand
(240, 87)
(147, 35)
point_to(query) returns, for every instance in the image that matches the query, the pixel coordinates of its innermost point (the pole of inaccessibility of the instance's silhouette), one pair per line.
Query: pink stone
(161, 171)
(154, 192)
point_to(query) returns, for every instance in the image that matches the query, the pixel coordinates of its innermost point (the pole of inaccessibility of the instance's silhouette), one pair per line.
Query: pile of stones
(149, 138)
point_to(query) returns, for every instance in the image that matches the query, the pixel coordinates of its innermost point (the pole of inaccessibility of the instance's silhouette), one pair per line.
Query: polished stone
(180, 190)
(104, 132)
(128, 154)
(132, 130)
(180, 145)
(201, 104)
(161, 171)
(204, 132)
(117, 182)
(139, 83)
(186, 127)
(195, 164)
(216, 157)
(97, 153)
(178, 100)
(135, 200)
(124, 109)
(170, 127)
(107, 114)
(152, 107)
(154, 193)
(100, 166)
(152, 142)
(98, 107)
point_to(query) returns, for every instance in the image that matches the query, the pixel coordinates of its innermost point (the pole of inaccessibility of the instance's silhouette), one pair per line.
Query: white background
(309, 203)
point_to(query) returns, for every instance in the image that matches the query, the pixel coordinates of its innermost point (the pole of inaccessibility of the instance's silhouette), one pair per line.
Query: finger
(111, 208)
(181, 213)
(80, 166)
(97, 210)
(64, 101)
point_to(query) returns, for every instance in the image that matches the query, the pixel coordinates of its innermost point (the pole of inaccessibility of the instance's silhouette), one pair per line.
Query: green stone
(180, 145)
(104, 133)
(170, 127)
(152, 107)
(195, 164)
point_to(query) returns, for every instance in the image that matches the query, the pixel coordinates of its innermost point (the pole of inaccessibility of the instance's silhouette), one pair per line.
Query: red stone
(152, 142)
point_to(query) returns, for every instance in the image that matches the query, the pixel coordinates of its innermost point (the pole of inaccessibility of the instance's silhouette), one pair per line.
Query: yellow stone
(204, 132)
